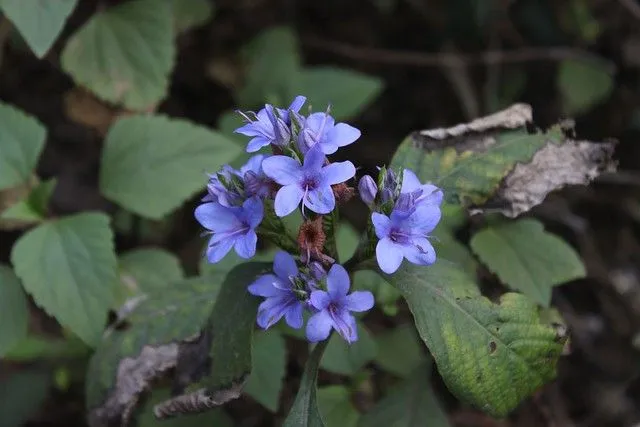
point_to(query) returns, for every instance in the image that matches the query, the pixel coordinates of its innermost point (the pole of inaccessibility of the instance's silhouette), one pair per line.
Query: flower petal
(246, 245)
(343, 134)
(218, 248)
(319, 326)
(213, 216)
(321, 200)
(423, 219)
(271, 310)
(263, 286)
(287, 199)
(297, 103)
(431, 195)
(421, 252)
(284, 265)
(313, 160)
(257, 143)
(345, 324)
(382, 224)
(410, 181)
(282, 169)
(254, 164)
(253, 211)
(293, 316)
(319, 299)
(338, 282)
(359, 301)
(335, 173)
(389, 255)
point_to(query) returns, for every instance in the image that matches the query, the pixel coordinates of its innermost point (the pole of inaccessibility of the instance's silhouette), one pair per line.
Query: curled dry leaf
(198, 401)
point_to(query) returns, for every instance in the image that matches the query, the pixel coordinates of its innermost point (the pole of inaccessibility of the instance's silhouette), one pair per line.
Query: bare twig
(421, 59)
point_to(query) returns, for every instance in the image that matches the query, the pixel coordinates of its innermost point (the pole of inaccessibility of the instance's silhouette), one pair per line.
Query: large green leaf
(491, 355)
(304, 412)
(348, 359)
(269, 359)
(14, 312)
(69, 267)
(21, 396)
(583, 85)
(399, 350)
(527, 258)
(347, 92)
(21, 141)
(147, 269)
(39, 22)
(412, 404)
(124, 54)
(151, 164)
(336, 408)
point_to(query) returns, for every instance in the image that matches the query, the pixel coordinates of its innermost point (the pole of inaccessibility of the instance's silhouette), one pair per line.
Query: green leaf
(14, 312)
(146, 270)
(399, 350)
(583, 85)
(21, 142)
(21, 395)
(527, 258)
(190, 14)
(304, 412)
(124, 54)
(336, 407)
(151, 164)
(212, 417)
(449, 248)
(164, 317)
(342, 358)
(69, 267)
(39, 348)
(348, 92)
(273, 63)
(40, 22)
(34, 208)
(269, 359)
(492, 356)
(408, 405)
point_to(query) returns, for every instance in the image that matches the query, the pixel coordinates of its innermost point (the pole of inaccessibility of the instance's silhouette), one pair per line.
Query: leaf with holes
(69, 267)
(14, 312)
(124, 54)
(527, 258)
(490, 355)
(152, 164)
(269, 359)
(39, 22)
(21, 142)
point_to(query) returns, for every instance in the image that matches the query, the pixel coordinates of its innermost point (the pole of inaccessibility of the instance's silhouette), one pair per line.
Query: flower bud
(368, 189)
(389, 185)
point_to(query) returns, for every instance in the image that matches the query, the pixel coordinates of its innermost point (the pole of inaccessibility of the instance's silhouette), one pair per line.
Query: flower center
(398, 235)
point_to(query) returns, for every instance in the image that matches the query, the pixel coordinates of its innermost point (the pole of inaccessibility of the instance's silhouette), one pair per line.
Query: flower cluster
(291, 172)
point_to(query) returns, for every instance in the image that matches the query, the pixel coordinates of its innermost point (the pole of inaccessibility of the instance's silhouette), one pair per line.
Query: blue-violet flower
(320, 129)
(256, 183)
(368, 189)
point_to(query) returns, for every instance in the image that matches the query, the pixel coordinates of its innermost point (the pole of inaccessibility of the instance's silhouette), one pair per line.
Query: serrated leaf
(69, 267)
(212, 418)
(399, 350)
(527, 258)
(145, 270)
(191, 13)
(583, 85)
(410, 404)
(305, 412)
(21, 396)
(347, 92)
(33, 208)
(342, 358)
(21, 142)
(273, 64)
(39, 22)
(124, 54)
(269, 359)
(151, 164)
(14, 312)
(490, 355)
(336, 407)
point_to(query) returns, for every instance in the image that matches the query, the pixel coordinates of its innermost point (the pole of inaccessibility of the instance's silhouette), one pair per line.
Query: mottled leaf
(490, 355)
(124, 54)
(69, 267)
(152, 164)
(336, 408)
(21, 142)
(269, 359)
(347, 359)
(39, 22)
(399, 350)
(14, 312)
(527, 258)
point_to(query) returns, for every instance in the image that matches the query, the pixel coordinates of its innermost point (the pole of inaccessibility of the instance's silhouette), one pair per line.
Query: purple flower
(285, 293)
(256, 183)
(310, 182)
(231, 227)
(320, 129)
(334, 307)
(368, 189)
(421, 193)
(269, 126)
(389, 185)
(223, 187)
(404, 235)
